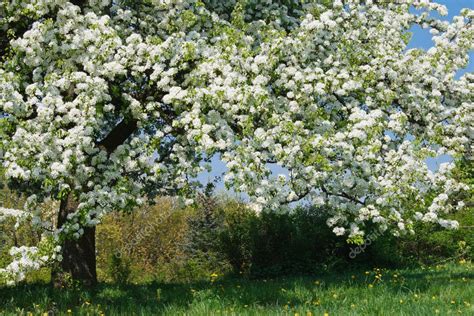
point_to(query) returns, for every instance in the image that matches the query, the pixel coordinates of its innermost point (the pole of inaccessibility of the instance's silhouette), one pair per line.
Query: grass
(443, 290)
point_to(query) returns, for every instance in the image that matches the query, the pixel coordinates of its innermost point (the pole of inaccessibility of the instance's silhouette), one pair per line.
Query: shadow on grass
(155, 298)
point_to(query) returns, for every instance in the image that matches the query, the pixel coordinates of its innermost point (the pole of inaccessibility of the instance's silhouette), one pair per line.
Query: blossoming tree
(106, 103)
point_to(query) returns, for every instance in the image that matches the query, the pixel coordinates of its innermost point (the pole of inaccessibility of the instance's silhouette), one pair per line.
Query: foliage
(278, 243)
(150, 239)
(201, 244)
(230, 238)
(430, 245)
(169, 242)
(119, 269)
(236, 237)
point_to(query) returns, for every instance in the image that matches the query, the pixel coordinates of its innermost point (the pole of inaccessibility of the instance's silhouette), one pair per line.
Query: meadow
(443, 289)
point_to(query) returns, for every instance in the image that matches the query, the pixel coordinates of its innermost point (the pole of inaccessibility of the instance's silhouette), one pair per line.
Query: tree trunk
(78, 255)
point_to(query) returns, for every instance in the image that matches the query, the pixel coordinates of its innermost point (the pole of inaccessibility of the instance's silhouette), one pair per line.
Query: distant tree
(203, 227)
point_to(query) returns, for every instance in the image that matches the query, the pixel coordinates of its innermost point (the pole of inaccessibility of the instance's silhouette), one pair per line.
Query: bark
(79, 259)
(118, 135)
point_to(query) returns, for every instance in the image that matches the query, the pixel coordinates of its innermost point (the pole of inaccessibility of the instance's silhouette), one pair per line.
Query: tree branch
(118, 135)
(343, 195)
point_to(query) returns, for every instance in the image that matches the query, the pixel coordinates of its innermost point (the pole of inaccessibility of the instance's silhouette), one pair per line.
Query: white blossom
(328, 92)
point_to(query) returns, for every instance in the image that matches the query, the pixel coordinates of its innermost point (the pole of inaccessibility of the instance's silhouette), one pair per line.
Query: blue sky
(421, 39)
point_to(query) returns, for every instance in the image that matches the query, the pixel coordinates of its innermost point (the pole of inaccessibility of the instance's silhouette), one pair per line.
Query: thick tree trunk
(78, 255)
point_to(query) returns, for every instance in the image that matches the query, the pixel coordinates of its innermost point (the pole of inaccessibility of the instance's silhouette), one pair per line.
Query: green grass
(443, 290)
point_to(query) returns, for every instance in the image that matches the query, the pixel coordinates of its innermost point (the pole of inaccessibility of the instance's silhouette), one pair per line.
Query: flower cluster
(6, 212)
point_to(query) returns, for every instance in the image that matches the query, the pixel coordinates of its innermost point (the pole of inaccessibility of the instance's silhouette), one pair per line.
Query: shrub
(273, 243)
(119, 268)
(430, 245)
(166, 241)
(151, 239)
(236, 238)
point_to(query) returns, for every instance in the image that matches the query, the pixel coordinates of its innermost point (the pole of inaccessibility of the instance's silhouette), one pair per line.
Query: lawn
(443, 290)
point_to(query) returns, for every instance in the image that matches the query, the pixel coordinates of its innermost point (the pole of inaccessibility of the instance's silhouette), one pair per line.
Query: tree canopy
(112, 102)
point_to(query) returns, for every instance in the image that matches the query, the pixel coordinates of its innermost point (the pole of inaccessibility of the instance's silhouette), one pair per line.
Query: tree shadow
(155, 298)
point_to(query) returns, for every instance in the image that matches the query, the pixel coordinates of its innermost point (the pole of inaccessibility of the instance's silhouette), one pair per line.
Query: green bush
(299, 242)
(169, 242)
(430, 245)
(278, 243)
(119, 268)
(201, 247)
(151, 239)
(236, 238)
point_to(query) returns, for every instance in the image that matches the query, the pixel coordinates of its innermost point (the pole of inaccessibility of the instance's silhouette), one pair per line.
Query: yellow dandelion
(401, 301)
